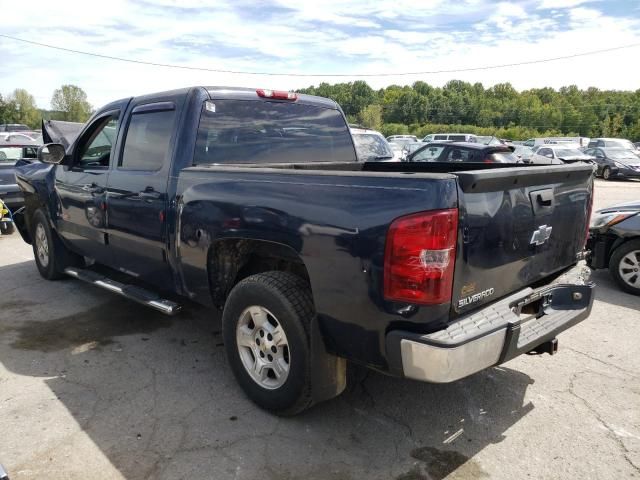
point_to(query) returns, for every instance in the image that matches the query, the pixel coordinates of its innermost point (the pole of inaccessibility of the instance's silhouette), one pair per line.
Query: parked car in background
(402, 139)
(558, 154)
(523, 153)
(615, 162)
(463, 152)
(16, 138)
(611, 143)
(614, 242)
(371, 146)
(14, 127)
(580, 142)
(10, 155)
(451, 137)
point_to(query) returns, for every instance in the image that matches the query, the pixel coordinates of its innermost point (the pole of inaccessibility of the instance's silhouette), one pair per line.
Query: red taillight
(420, 257)
(277, 94)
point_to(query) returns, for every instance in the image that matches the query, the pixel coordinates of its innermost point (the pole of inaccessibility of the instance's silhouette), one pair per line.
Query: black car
(14, 127)
(615, 162)
(10, 156)
(463, 152)
(614, 242)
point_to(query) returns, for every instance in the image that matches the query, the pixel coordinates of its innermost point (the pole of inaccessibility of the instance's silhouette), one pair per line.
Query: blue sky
(330, 37)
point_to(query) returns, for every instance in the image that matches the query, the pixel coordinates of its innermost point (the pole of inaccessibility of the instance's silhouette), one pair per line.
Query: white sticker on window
(210, 106)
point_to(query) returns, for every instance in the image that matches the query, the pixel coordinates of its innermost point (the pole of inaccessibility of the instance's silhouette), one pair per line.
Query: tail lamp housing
(420, 256)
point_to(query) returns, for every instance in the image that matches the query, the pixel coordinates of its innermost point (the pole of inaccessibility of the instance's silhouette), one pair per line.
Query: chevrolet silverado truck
(253, 202)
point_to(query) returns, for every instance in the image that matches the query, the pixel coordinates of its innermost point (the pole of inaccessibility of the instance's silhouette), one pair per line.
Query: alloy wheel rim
(263, 347)
(629, 268)
(42, 246)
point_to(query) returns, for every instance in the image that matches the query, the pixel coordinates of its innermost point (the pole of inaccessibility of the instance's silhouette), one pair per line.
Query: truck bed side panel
(336, 223)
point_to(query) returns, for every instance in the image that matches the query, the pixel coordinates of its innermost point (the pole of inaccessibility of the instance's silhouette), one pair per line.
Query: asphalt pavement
(94, 386)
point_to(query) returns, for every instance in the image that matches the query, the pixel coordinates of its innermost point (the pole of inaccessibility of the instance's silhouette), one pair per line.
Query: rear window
(503, 157)
(245, 131)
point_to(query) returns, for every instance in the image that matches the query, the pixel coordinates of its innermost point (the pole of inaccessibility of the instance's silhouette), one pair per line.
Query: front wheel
(51, 255)
(624, 266)
(606, 173)
(265, 326)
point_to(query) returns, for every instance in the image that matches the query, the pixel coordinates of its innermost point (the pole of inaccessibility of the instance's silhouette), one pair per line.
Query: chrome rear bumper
(494, 334)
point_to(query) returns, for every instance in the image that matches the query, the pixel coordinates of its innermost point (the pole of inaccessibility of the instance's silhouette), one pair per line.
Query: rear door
(518, 226)
(137, 191)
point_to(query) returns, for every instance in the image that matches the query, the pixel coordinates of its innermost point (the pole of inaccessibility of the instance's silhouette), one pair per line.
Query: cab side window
(95, 150)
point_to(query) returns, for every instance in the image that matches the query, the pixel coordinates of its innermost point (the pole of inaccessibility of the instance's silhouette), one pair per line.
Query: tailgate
(518, 226)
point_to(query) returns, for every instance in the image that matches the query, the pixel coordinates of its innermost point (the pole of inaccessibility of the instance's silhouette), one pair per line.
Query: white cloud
(561, 3)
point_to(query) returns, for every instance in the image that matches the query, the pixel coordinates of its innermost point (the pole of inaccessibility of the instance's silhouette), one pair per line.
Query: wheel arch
(230, 260)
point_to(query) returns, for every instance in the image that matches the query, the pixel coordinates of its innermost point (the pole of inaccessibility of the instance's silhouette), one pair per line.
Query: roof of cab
(220, 93)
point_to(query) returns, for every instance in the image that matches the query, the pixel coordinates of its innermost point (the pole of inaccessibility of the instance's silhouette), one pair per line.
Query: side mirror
(51, 153)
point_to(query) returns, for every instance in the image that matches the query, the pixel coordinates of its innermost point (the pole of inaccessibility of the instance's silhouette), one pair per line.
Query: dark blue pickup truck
(254, 202)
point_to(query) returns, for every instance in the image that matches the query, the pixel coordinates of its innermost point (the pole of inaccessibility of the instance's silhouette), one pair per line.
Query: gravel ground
(93, 386)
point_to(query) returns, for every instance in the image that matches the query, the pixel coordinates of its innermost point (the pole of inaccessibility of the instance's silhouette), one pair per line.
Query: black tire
(288, 298)
(617, 257)
(58, 256)
(606, 173)
(7, 228)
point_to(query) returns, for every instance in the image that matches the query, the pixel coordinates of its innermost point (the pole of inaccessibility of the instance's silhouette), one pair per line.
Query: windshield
(244, 131)
(371, 146)
(568, 152)
(620, 154)
(620, 144)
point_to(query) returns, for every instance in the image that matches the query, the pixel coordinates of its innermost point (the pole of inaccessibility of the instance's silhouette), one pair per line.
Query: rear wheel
(51, 255)
(625, 266)
(266, 334)
(606, 173)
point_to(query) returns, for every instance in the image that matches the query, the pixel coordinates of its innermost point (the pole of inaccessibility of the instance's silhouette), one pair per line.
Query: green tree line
(500, 110)
(69, 103)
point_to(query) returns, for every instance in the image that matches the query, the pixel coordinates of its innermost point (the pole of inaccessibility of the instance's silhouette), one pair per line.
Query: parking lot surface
(94, 386)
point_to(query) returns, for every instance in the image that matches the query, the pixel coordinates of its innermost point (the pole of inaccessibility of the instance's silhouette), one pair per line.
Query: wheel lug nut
(274, 349)
(269, 337)
(262, 354)
(257, 341)
(262, 333)
(270, 358)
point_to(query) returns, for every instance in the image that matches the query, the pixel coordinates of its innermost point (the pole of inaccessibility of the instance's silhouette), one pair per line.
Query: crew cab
(254, 202)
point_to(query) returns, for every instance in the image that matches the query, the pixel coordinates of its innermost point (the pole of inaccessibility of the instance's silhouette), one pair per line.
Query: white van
(451, 137)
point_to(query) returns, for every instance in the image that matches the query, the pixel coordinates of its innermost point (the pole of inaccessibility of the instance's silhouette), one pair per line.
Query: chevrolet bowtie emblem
(541, 235)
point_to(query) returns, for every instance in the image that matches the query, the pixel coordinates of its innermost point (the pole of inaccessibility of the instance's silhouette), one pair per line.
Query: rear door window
(458, 155)
(245, 131)
(440, 137)
(148, 137)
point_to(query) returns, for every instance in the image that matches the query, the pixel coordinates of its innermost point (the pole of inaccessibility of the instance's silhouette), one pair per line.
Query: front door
(137, 194)
(81, 189)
